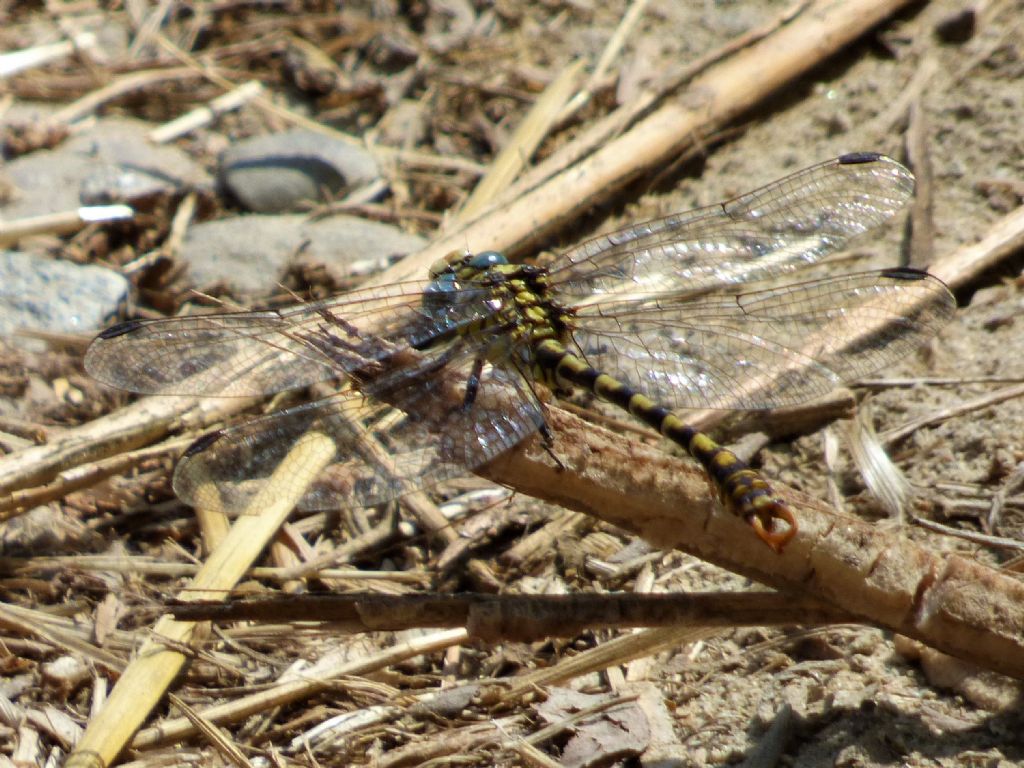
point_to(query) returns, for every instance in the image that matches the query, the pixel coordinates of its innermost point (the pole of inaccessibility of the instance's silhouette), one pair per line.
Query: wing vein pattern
(439, 375)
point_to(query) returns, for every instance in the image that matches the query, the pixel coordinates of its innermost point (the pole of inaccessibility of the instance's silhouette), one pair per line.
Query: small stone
(251, 255)
(347, 246)
(43, 294)
(278, 172)
(113, 162)
(247, 255)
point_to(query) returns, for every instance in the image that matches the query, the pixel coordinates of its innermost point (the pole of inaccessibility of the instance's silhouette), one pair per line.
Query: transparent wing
(381, 452)
(787, 224)
(254, 353)
(768, 348)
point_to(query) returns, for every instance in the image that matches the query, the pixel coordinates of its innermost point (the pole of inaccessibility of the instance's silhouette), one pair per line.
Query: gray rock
(277, 172)
(347, 246)
(43, 294)
(28, 112)
(249, 255)
(113, 162)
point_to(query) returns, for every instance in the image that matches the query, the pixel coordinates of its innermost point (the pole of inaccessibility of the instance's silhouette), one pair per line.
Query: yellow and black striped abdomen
(743, 489)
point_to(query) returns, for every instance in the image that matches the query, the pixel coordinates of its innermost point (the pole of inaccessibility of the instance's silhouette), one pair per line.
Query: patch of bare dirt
(442, 86)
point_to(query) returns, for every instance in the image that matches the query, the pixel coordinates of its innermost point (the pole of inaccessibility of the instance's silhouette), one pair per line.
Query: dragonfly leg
(549, 443)
(473, 384)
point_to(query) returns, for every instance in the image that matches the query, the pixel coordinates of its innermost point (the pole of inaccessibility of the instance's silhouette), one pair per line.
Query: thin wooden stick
(987, 400)
(233, 99)
(122, 86)
(18, 61)
(521, 618)
(947, 602)
(146, 679)
(313, 681)
(62, 223)
(922, 224)
(148, 566)
(720, 94)
(1005, 237)
(524, 142)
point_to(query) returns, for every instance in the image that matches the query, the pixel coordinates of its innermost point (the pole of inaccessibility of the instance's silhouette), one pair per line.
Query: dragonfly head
(449, 274)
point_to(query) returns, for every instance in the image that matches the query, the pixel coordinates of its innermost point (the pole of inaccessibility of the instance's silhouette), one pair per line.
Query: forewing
(255, 353)
(787, 224)
(381, 452)
(769, 348)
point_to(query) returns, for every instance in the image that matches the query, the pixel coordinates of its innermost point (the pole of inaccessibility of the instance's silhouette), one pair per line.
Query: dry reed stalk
(134, 426)
(1003, 238)
(313, 682)
(147, 678)
(611, 53)
(528, 135)
(712, 100)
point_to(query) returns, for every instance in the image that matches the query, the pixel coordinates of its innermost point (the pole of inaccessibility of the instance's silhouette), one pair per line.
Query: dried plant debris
(370, 126)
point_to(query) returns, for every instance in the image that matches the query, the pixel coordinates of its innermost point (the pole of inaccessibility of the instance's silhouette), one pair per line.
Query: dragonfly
(441, 375)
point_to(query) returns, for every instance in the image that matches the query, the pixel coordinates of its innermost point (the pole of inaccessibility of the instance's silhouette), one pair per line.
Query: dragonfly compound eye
(486, 259)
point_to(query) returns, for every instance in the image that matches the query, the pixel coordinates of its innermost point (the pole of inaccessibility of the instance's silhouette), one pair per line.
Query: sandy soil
(846, 696)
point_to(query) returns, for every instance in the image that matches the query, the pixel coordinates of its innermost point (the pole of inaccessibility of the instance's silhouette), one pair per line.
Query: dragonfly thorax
(493, 296)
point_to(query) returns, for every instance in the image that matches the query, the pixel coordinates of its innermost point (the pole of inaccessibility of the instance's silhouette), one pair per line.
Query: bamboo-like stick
(712, 100)
(524, 142)
(146, 679)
